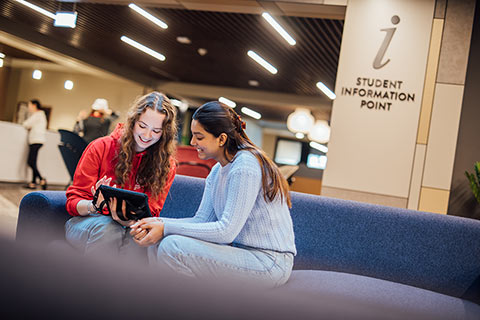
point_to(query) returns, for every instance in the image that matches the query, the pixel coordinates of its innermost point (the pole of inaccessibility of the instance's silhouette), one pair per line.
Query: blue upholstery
(363, 249)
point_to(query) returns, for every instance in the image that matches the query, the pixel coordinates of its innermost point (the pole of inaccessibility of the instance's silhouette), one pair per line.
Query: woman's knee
(92, 224)
(171, 244)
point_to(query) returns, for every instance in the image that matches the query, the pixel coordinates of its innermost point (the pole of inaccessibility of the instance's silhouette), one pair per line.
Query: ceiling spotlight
(1, 63)
(149, 16)
(228, 102)
(251, 113)
(253, 83)
(262, 62)
(318, 146)
(68, 85)
(37, 74)
(184, 40)
(65, 19)
(37, 8)
(279, 28)
(2, 55)
(299, 135)
(202, 51)
(143, 48)
(325, 90)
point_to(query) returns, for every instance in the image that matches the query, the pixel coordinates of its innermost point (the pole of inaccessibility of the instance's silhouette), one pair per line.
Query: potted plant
(474, 180)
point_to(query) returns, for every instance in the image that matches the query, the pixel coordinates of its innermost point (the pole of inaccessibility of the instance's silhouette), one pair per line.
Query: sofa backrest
(427, 250)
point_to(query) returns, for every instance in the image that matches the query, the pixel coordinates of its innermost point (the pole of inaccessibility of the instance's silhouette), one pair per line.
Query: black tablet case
(136, 202)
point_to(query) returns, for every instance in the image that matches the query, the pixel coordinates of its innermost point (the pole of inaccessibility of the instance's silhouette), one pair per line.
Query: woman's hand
(113, 209)
(103, 181)
(147, 232)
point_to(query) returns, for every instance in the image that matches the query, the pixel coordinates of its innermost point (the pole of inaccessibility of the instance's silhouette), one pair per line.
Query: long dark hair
(36, 103)
(217, 118)
(153, 171)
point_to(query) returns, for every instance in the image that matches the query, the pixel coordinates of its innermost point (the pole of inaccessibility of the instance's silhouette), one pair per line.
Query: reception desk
(13, 162)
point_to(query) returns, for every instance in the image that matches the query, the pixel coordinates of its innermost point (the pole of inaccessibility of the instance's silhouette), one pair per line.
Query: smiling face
(148, 129)
(208, 146)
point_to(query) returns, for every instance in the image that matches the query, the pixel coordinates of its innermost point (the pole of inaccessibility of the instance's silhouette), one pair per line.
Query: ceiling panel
(226, 36)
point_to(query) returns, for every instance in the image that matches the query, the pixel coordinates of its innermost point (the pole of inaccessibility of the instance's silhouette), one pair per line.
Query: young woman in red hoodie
(137, 156)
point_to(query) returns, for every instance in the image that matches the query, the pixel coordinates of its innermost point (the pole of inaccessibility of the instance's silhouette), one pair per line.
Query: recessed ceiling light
(202, 51)
(149, 16)
(262, 62)
(253, 83)
(68, 85)
(2, 55)
(37, 74)
(279, 28)
(228, 102)
(184, 40)
(65, 19)
(251, 113)
(1, 63)
(143, 48)
(326, 90)
(37, 8)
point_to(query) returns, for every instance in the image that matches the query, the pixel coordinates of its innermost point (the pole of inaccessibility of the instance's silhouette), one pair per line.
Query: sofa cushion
(381, 293)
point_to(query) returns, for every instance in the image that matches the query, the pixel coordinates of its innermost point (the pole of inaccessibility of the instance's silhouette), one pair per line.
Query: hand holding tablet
(130, 205)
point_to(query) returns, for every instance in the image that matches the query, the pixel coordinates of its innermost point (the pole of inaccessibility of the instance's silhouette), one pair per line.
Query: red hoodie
(99, 160)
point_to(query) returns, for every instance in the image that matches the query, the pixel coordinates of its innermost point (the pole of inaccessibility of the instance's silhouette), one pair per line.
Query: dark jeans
(32, 160)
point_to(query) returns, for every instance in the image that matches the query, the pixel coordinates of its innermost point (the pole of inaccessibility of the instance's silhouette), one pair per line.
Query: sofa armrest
(42, 216)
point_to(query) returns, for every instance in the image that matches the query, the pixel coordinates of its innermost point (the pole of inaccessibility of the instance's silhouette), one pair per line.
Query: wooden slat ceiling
(226, 36)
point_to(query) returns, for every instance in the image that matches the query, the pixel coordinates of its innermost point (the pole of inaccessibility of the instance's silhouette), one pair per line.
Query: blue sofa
(424, 263)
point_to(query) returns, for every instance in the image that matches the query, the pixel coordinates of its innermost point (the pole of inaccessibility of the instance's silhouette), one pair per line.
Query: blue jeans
(197, 258)
(99, 235)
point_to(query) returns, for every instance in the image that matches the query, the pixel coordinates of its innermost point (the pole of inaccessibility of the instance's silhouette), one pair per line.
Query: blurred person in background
(36, 124)
(97, 124)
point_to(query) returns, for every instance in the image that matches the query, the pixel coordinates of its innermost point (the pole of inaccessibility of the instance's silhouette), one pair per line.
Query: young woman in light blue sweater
(243, 226)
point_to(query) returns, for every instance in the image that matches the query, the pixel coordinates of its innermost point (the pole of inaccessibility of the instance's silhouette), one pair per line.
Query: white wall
(371, 150)
(66, 104)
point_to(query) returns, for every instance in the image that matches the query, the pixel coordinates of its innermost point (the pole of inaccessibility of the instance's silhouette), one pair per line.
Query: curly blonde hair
(155, 167)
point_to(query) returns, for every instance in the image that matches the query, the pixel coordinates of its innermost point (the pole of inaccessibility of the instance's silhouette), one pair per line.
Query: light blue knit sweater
(233, 210)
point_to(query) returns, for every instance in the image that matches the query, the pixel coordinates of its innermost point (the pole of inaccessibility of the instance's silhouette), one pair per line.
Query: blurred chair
(189, 164)
(71, 148)
(288, 172)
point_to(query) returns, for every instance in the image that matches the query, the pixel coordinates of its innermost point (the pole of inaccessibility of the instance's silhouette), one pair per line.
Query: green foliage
(474, 180)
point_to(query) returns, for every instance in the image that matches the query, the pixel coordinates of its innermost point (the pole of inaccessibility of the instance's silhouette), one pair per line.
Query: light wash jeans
(99, 235)
(206, 260)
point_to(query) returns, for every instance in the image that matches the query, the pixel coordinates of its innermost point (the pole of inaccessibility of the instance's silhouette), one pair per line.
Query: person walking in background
(242, 227)
(97, 124)
(137, 156)
(36, 124)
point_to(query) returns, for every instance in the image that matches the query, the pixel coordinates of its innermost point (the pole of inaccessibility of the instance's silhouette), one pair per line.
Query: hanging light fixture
(320, 132)
(301, 120)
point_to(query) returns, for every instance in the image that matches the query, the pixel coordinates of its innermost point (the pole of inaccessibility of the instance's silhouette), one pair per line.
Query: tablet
(136, 202)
